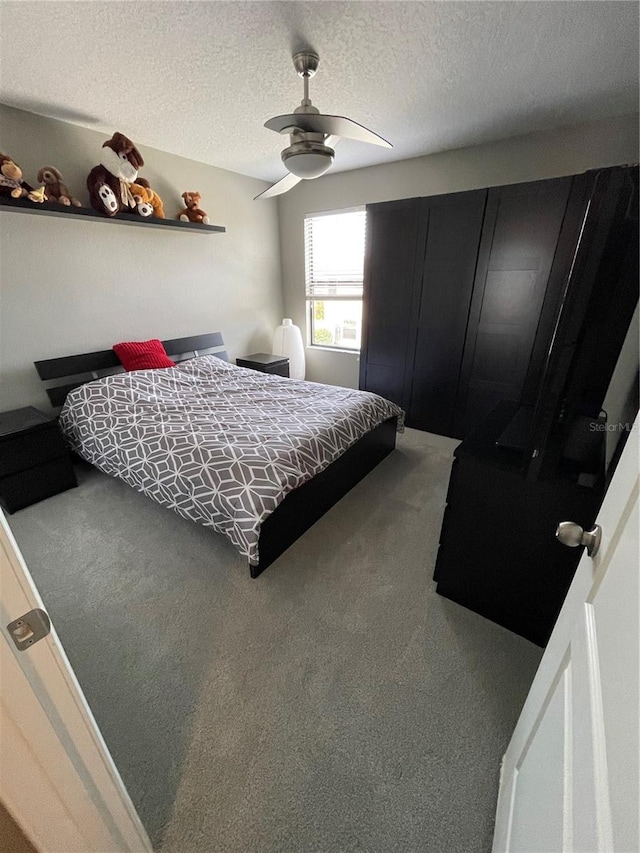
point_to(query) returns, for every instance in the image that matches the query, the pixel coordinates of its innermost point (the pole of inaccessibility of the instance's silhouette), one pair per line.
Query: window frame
(310, 299)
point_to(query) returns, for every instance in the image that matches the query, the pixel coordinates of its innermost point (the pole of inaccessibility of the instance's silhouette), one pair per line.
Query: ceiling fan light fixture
(308, 159)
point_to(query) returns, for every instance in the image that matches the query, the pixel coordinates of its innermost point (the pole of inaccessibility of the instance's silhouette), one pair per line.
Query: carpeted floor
(336, 703)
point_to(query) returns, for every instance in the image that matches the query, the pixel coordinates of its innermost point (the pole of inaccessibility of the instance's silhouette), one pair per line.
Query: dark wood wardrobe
(497, 316)
(459, 298)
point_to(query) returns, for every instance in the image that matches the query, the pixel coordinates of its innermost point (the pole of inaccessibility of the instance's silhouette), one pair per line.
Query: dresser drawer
(30, 449)
(453, 476)
(36, 484)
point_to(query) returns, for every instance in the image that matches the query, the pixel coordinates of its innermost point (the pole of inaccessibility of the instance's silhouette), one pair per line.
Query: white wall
(526, 158)
(69, 286)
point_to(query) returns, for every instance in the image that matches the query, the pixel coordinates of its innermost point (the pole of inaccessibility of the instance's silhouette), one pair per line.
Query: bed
(254, 456)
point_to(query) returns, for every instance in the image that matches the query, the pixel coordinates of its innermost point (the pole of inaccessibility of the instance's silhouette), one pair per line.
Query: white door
(57, 778)
(569, 778)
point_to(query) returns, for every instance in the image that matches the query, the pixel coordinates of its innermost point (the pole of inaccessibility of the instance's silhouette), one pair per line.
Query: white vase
(287, 340)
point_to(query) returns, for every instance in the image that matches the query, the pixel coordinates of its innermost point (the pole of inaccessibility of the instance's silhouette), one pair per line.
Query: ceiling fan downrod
(306, 64)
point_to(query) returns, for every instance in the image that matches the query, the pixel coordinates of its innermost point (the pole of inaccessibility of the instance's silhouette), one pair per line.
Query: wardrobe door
(392, 237)
(441, 307)
(520, 233)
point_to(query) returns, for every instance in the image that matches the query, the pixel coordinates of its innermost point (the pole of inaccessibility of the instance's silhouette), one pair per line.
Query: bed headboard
(93, 365)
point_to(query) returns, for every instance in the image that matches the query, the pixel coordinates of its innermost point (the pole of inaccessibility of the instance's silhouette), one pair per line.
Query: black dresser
(498, 552)
(265, 363)
(34, 460)
(530, 464)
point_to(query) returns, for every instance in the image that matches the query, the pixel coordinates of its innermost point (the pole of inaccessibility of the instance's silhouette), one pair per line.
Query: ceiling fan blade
(282, 186)
(317, 123)
(285, 124)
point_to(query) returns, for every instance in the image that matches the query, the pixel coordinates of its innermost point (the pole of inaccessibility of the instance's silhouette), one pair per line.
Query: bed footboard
(305, 505)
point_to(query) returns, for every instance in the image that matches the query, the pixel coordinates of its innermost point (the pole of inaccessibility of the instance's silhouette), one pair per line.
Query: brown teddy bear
(11, 182)
(148, 202)
(192, 212)
(109, 184)
(54, 189)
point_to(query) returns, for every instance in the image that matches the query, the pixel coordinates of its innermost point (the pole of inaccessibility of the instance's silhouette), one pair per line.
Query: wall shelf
(49, 208)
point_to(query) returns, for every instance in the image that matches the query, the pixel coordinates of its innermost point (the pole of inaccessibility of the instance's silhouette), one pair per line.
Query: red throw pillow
(142, 355)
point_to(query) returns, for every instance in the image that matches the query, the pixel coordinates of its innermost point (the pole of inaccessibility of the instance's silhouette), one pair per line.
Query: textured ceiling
(200, 78)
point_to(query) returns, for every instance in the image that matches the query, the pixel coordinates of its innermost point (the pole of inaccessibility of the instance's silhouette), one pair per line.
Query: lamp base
(287, 341)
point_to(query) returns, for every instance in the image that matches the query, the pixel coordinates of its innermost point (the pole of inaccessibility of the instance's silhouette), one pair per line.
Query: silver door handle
(572, 535)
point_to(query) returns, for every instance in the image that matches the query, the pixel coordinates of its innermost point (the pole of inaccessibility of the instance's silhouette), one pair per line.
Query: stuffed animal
(11, 182)
(37, 195)
(148, 202)
(54, 189)
(109, 184)
(192, 212)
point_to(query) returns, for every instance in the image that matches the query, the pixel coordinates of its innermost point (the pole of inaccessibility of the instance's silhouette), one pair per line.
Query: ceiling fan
(312, 135)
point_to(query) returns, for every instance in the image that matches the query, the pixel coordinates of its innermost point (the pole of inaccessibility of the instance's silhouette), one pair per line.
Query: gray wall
(526, 158)
(69, 286)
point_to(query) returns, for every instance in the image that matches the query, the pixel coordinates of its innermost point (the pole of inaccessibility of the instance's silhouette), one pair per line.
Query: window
(334, 260)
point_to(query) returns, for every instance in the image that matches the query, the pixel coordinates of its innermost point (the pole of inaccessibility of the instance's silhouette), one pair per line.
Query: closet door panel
(520, 236)
(454, 225)
(392, 234)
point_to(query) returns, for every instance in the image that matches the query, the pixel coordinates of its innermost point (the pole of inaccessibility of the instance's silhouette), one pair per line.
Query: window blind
(334, 255)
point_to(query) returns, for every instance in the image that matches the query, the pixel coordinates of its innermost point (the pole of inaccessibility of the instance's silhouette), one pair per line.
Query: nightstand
(34, 460)
(265, 363)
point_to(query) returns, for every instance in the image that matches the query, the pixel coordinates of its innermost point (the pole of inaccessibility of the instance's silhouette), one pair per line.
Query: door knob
(572, 535)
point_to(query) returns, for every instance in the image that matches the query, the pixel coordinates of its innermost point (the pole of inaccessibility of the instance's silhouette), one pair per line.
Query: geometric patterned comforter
(219, 444)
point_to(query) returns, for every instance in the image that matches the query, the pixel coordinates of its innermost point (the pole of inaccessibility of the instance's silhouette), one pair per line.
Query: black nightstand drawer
(265, 363)
(35, 484)
(26, 450)
(278, 369)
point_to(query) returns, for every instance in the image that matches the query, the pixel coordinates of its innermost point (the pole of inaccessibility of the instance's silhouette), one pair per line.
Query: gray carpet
(336, 703)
